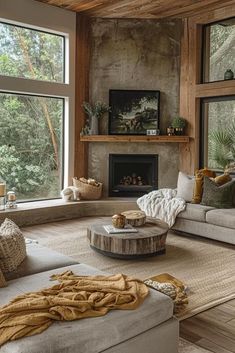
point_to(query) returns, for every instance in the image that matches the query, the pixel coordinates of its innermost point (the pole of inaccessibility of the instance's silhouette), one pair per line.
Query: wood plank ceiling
(145, 9)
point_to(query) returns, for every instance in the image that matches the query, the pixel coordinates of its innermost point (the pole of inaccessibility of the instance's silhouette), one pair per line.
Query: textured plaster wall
(135, 54)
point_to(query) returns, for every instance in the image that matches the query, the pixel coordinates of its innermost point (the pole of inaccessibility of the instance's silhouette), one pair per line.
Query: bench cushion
(39, 259)
(91, 335)
(195, 212)
(222, 217)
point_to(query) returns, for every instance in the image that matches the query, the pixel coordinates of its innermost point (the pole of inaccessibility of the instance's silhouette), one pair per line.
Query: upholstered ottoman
(150, 329)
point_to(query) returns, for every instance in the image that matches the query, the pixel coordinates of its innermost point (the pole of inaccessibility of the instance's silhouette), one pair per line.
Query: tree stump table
(150, 240)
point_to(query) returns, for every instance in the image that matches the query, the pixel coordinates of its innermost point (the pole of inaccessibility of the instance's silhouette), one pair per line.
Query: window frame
(205, 62)
(45, 18)
(202, 160)
(63, 37)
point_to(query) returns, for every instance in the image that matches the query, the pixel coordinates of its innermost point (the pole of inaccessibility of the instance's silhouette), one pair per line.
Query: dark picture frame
(133, 112)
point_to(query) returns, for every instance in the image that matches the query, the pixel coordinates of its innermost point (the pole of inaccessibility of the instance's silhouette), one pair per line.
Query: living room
(117, 114)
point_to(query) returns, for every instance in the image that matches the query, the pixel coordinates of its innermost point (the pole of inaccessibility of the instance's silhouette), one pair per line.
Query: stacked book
(127, 229)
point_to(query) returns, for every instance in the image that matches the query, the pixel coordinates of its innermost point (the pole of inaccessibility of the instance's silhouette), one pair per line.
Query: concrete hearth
(167, 160)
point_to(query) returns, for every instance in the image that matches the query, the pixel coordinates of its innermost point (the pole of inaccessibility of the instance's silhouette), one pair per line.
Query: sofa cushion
(195, 212)
(92, 334)
(185, 186)
(218, 196)
(222, 217)
(39, 259)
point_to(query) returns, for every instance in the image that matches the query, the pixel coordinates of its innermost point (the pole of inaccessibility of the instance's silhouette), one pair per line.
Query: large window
(37, 94)
(219, 50)
(217, 137)
(31, 145)
(32, 54)
(218, 132)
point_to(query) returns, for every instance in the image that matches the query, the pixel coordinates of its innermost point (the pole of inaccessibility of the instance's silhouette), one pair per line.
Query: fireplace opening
(132, 174)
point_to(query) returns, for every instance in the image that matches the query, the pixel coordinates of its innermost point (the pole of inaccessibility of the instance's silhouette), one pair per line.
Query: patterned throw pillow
(218, 196)
(198, 186)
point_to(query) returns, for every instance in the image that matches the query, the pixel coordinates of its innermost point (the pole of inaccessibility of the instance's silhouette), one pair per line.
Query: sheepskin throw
(162, 204)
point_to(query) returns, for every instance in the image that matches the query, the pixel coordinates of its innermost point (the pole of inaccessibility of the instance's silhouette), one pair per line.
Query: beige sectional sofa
(209, 222)
(151, 328)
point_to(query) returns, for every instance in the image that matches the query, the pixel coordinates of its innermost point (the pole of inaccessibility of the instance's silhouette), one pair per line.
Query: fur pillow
(185, 186)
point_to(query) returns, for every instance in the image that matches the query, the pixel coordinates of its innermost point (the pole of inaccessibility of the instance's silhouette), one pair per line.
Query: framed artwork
(133, 112)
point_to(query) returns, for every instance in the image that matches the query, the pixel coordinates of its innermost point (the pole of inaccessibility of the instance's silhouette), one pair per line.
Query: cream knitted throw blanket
(75, 297)
(162, 204)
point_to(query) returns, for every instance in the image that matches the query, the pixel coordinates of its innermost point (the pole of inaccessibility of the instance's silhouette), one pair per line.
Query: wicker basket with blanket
(12, 246)
(89, 189)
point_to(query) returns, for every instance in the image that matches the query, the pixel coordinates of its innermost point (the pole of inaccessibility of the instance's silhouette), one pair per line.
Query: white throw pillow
(185, 185)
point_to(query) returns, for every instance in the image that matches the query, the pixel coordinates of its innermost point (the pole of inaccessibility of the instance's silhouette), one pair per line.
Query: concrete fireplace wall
(136, 54)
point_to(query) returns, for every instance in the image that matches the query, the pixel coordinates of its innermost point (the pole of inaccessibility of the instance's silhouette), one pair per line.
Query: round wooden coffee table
(149, 241)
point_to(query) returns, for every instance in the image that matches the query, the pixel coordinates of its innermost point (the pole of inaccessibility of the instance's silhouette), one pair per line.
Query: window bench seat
(31, 213)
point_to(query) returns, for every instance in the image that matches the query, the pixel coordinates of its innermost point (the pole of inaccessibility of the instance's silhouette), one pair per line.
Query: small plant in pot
(95, 112)
(179, 123)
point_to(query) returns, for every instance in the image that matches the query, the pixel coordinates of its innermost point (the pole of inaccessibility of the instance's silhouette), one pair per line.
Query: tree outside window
(31, 126)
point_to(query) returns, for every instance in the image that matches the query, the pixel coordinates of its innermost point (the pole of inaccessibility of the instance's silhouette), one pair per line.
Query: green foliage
(23, 178)
(30, 54)
(97, 110)
(30, 161)
(222, 146)
(178, 122)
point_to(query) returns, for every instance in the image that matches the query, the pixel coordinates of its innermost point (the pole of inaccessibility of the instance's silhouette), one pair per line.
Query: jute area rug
(205, 266)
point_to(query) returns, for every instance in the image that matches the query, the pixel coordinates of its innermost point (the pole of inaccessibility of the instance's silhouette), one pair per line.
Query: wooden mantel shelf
(134, 138)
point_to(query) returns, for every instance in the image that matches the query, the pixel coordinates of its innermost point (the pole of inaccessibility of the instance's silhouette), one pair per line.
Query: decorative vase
(119, 221)
(228, 75)
(94, 125)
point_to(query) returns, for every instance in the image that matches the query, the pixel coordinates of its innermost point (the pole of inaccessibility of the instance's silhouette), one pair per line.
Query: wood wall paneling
(82, 92)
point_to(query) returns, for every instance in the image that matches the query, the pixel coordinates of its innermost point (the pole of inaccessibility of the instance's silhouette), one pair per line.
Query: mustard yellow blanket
(75, 297)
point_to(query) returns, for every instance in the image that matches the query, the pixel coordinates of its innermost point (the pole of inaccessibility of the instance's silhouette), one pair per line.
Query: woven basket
(12, 246)
(88, 191)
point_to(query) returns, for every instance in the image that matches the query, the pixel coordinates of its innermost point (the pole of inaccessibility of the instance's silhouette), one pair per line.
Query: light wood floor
(213, 329)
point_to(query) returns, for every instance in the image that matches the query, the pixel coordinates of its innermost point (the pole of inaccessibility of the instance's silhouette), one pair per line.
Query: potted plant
(179, 123)
(95, 112)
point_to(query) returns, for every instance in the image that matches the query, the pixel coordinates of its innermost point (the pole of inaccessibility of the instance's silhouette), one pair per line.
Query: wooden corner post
(83, 29)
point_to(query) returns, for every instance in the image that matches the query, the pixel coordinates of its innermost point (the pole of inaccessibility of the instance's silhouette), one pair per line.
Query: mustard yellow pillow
(198, 185)
(222, 179)
(207, 172)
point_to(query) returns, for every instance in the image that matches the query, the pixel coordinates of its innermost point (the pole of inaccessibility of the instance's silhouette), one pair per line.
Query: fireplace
(132, 174)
